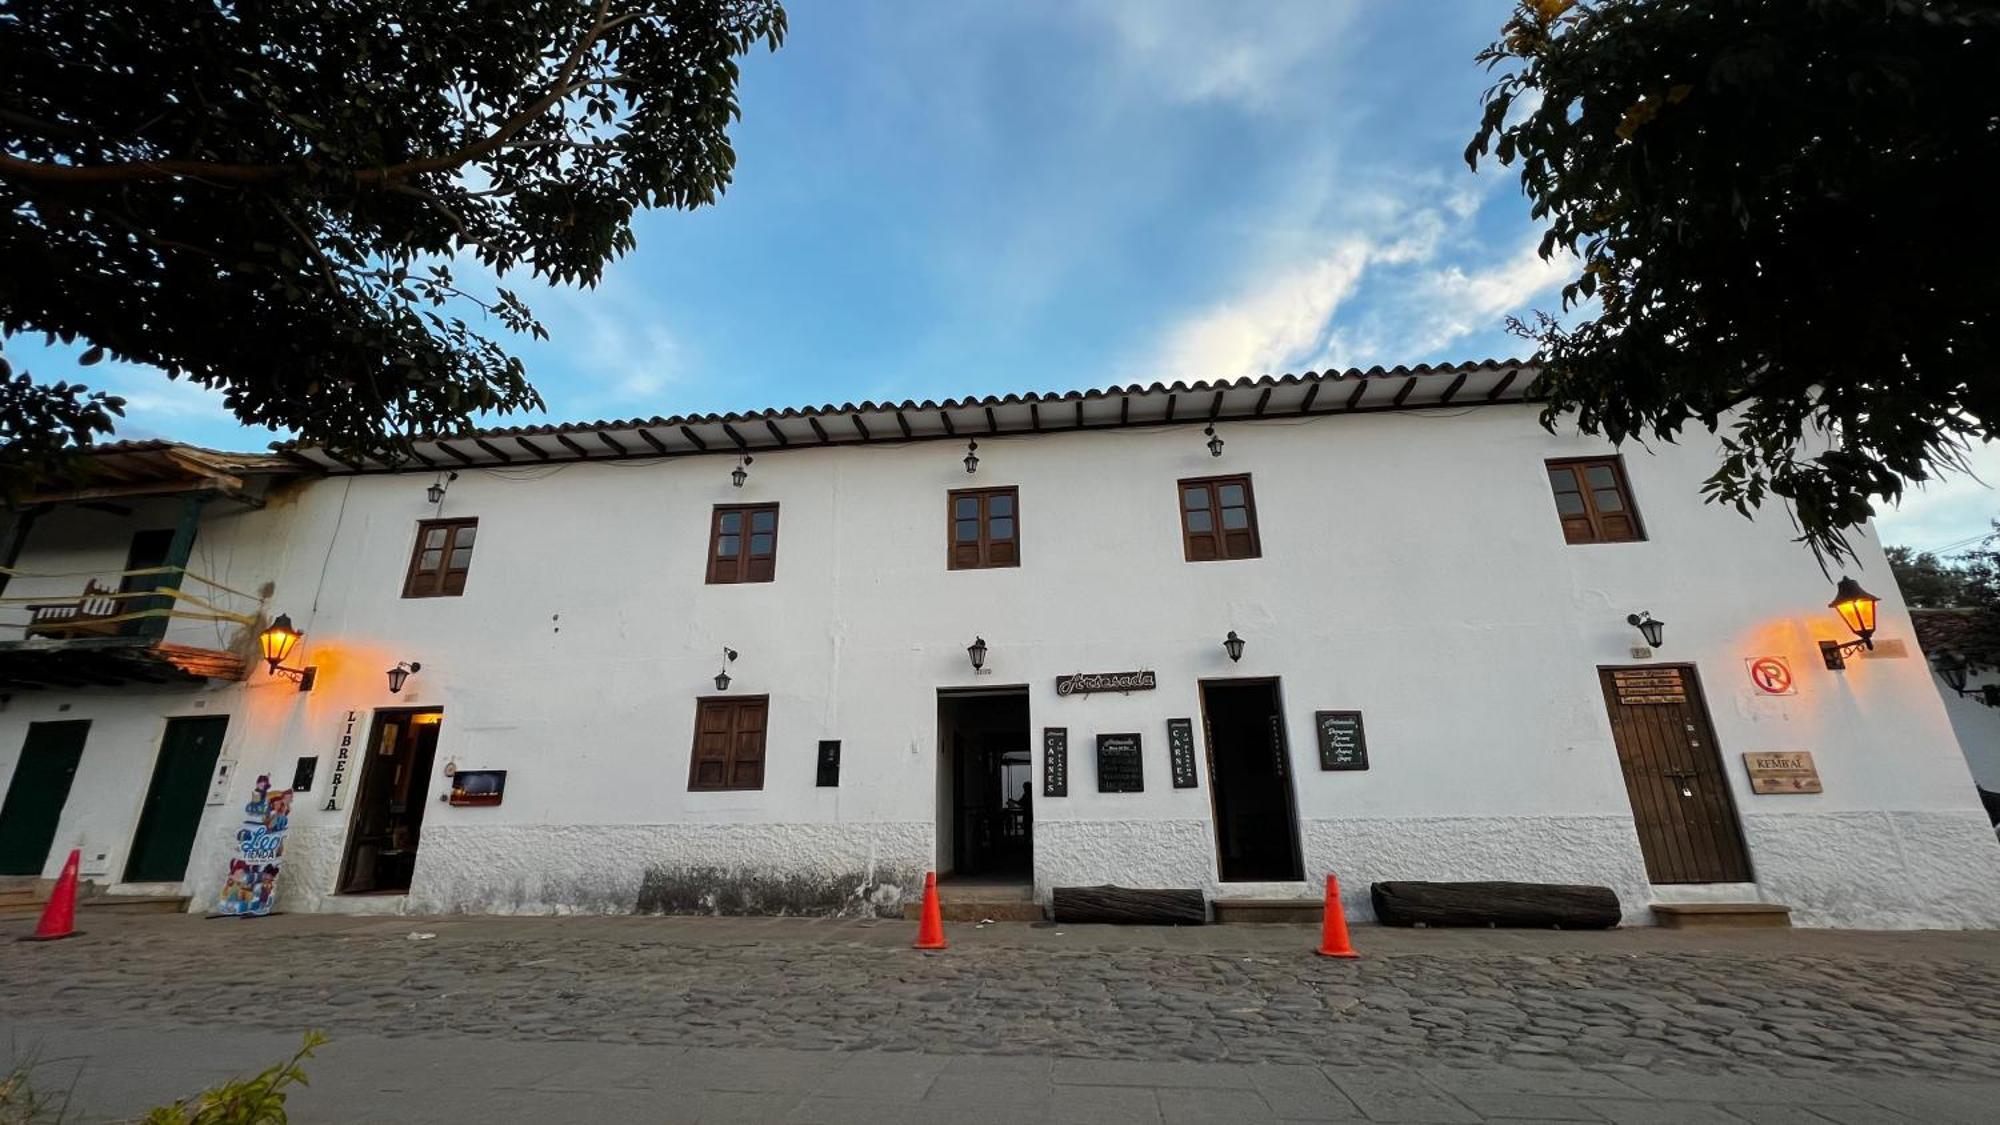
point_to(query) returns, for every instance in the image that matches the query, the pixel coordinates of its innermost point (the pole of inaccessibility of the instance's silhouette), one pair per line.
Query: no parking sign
(1771, 675)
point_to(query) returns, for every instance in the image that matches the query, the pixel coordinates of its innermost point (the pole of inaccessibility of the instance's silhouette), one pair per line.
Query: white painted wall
(1412, 567)
(1977, 727)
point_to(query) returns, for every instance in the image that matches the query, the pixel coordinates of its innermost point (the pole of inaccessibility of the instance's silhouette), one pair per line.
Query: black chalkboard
(303, 772)
(1342, 744)
(1119, 766)
(1055, 761)
(1180, 752)
(829, 763)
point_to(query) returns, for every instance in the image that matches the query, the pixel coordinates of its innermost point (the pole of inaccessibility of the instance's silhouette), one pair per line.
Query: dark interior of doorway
(988, 791)
(389, 804)
(174, 800)
(1256, 822)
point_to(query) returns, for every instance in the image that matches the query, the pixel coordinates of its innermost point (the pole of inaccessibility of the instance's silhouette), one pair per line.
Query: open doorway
(388, 819)
(985, 786)
(1250, 777)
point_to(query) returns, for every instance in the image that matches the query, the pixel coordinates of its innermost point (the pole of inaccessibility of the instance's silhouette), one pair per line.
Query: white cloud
(1199, 51)
(1277, 319)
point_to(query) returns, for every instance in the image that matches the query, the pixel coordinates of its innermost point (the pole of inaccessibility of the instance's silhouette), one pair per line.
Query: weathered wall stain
(715, 890)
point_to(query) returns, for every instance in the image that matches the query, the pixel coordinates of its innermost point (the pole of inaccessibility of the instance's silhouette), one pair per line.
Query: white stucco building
(1408, 547)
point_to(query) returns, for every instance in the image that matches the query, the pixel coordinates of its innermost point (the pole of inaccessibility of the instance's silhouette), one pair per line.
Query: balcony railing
(114, 628)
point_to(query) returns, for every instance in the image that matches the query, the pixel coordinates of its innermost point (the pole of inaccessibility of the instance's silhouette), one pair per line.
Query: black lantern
(276, 643)
(1952, 668)
(1214, 442)
(439, 486)
(1233, 645)
(401, 673)
(741, 472)
(722, 676)
(977, 651)
(1856, 608)
(1648, 628)
(971, 456)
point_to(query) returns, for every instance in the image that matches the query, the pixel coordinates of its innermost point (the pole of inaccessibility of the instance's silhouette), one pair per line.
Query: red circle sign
(1771, 675)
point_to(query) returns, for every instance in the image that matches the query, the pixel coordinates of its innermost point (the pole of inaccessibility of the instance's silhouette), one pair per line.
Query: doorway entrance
(1250, 779)
(36, 796)
(985, 786)
(1673, 775)
(174, 800)
(389, 804)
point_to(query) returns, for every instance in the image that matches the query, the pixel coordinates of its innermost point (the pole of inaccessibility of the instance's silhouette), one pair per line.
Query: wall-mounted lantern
(1233, 645)
(971, 456)
(277, 642)
(439, 487)
(403, 670)
(1648, 628)
(722, 677)
(1856, 608)
(741, 472)
(1952, 668)
(977, 651)
(1214, 441)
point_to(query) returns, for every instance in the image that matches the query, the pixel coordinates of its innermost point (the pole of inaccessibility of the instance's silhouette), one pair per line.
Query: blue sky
(941, 199)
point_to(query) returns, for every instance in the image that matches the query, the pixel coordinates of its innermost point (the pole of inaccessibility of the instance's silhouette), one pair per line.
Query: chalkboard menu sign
(1055, 761)
(1119, 768)
(1180, 752)
(829, 763)
(1342, 745)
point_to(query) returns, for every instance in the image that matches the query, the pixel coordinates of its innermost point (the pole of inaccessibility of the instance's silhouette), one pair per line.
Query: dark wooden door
(1256, 823)
(36, 796)
(174, 800)
(1673, 774)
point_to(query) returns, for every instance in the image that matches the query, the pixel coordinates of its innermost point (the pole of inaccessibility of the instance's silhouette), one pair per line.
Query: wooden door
(1673, 774)
(36, 796)
(174, 800)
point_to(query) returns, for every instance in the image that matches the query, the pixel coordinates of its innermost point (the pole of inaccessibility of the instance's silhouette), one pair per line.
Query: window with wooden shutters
(441, 560)
(1594, 501)
(728, 743)
(1218, 519)
(743, 543)
(985, 528)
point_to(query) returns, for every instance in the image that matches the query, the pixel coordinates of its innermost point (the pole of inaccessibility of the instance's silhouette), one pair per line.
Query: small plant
(22, 1104)
(241, 1101)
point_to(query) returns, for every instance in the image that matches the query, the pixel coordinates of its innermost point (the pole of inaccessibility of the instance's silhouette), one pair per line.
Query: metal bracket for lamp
(276, 642)
(1952, 668)
(1835, 653)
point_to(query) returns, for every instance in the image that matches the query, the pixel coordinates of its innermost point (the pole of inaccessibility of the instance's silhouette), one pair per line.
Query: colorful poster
(252, 886)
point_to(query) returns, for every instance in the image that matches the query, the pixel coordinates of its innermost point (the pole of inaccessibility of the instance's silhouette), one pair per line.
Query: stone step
(986, 892)
(134, 904)
(1704, 915)
(1267, 909)
(978, 911)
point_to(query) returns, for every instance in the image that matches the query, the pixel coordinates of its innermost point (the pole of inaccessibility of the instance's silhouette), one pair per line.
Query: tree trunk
(1127, 906)
(1524, 905)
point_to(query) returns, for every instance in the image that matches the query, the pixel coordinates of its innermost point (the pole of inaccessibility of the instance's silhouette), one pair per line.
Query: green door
(36, 795)
(174, 800)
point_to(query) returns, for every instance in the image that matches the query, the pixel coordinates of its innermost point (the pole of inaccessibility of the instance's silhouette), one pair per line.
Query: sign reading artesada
(1083, 683)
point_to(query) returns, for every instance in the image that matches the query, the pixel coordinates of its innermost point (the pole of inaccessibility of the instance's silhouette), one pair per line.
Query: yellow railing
(97, 606)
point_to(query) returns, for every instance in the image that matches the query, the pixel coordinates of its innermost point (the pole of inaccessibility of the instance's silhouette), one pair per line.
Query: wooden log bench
(1128, 906)
(1520, 905)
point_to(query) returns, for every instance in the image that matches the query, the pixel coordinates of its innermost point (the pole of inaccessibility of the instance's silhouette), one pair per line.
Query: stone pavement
(675, 1019)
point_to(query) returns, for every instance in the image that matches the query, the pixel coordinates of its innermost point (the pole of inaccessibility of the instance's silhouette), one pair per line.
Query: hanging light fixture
(1233, 645)
(1214, 442)
(1856, 608)
(722, 677)
(741, 472)
(276, 642)
(971, 456)
(1952, 668)
(401, 673)
(1648, 628)
(977, 651)
(439, 487)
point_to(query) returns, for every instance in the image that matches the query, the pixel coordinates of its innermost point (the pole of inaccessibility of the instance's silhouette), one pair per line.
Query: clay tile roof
(1972, 633)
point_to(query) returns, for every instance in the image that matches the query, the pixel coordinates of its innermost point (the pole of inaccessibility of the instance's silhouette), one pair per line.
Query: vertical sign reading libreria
(336, 784)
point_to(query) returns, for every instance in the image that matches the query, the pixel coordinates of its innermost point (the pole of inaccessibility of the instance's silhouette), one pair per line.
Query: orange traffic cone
(1333, 931)
(930, 931)
(59, 916)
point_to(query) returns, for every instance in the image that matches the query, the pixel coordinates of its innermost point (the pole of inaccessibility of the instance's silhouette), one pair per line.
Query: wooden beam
(1360, 388)
(566, 443)
(945, 417)
(695, 438)
(1124, 410)
(1263, 400)
(1500, 387)
(1452, 389)
(1215, 408)
(1403, 392)
(540, 453)
(659, 446)
(741, 445)
(419, 457)
(992, 423)
(491, 448)
(861, 426)
(1079, 413)
(1035, 416)
(819, 431)
(1312, 392)
(776, 432)
(1171, 399)
(455, 454)
(903, 424)
(604, 440)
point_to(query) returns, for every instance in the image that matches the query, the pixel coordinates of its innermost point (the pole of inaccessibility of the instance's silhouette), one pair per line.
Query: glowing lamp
(276, 642)
(1856, 608)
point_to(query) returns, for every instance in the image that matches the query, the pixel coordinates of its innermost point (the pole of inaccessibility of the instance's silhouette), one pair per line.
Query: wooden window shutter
(1198, 522)
(1594, 501)
(441, 558)
(983, 528)
(728, 744)
(746, 763)
(743, 543)
(1219, 519)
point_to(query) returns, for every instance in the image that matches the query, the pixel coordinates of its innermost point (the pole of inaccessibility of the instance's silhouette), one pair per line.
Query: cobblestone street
(1640, 1014)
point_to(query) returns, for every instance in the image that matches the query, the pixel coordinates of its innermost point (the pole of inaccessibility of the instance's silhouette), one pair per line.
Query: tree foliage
(1784, 213)
(272, 197)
